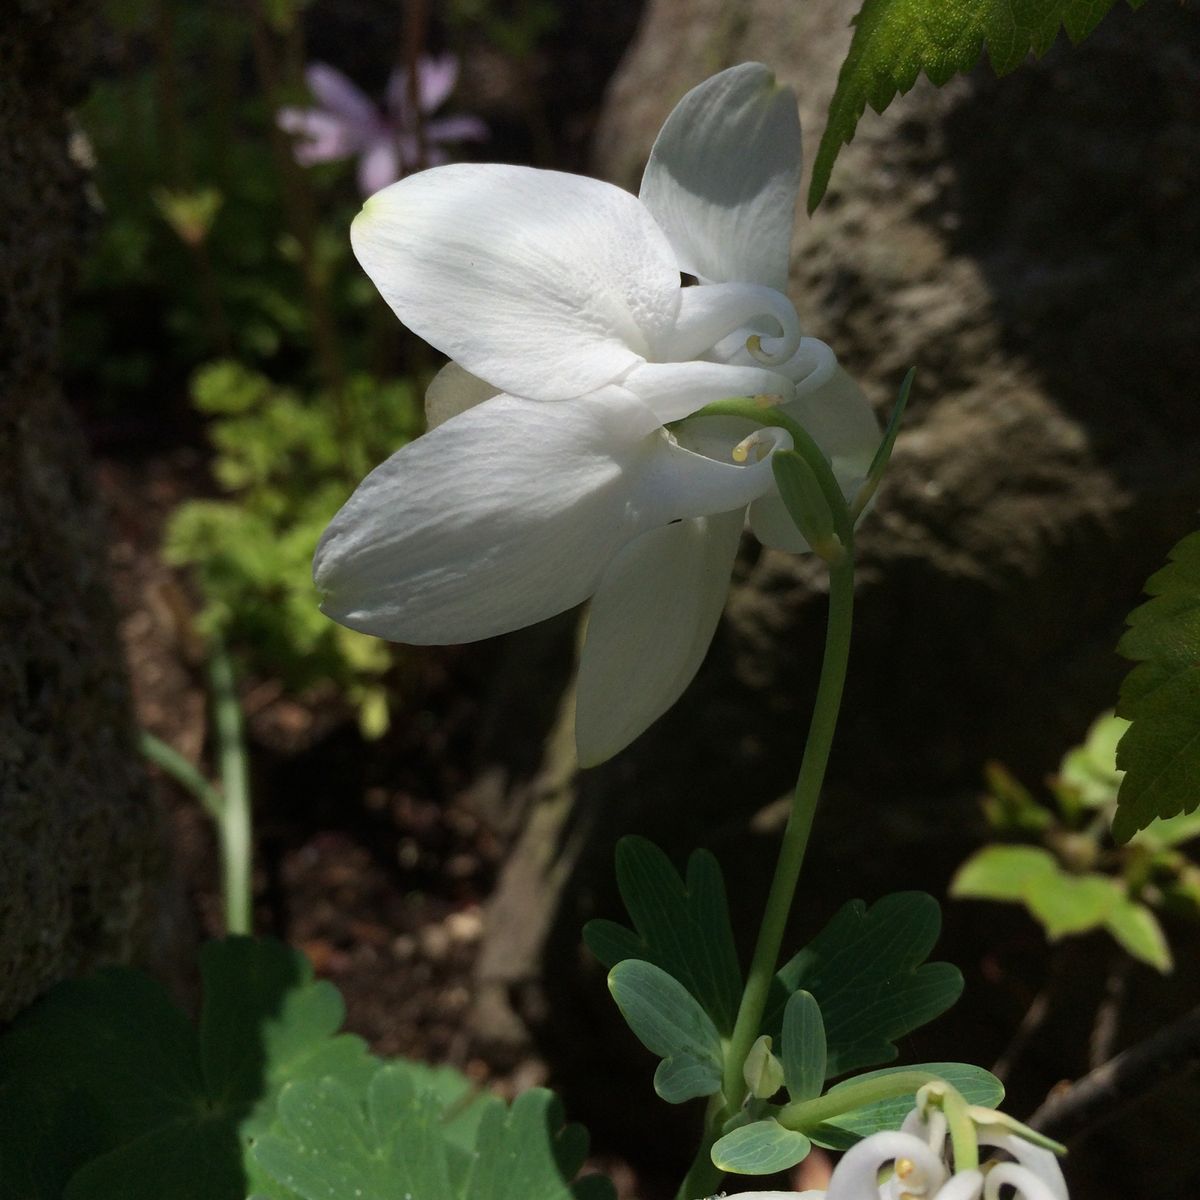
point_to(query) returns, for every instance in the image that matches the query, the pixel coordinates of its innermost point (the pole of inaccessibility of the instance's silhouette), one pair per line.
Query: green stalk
(799, 826)
(234, 823)
(808, 1114)
(703, 1178)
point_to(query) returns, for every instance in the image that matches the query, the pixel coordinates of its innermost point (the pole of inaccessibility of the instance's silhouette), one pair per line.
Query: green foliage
(805, 1065)
(683, 928)
(895, 40)
(1160, 753)
(1077, 880)
(288, 462)
(669, 1022)
(401, 1139)
(108, 1092)
(866, 970)
(760, 1148)
(976, 1085)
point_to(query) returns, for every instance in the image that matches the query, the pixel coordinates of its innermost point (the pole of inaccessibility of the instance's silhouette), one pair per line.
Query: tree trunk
(80, 847)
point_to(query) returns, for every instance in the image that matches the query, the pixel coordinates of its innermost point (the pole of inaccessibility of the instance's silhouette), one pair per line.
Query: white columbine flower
(913, 1162)
(560, 464)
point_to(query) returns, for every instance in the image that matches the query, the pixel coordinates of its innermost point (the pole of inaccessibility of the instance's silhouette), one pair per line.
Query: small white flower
(914, 1161)
(560, 463)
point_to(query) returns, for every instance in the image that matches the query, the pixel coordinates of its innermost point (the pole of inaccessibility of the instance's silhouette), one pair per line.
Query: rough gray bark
(80, 850)
(1032, 245)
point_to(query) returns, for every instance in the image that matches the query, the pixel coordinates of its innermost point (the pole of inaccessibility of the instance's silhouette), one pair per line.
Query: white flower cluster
(914, 1163)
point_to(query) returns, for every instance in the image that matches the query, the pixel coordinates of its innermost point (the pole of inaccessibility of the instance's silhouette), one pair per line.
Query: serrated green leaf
(867, 971)
(669, 1022)
(169, 1109)
(1160, 753)
(976, 1085)
(684, 928)
(896, 40)
(760, 1148)
(803, 1048)
(1136, 927)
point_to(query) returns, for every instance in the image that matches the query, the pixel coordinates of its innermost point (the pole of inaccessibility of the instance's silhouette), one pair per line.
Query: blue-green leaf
(1160, 752)
(760, 1148)
(867, 971)
(803, 1049)
(895, 40)
(976, 1085)
(683, 928)
(669, 1022)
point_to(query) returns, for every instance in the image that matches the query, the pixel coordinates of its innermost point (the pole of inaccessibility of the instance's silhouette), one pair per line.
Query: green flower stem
(808, 1114)
(795, 837)
(168, 759)
(703, 1178)
(962, 1130)
(234, 823)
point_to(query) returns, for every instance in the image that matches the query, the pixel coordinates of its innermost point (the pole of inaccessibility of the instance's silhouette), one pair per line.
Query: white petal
(966, 1185)
(711, 311)
(549, 285)
(451, 391)
(650, 626)
(854, 1178)
(841, 421)
(1036, 1160)
(723, 177)
(1026, 1185)
(843, 424)
(503, 516)
(677, 389)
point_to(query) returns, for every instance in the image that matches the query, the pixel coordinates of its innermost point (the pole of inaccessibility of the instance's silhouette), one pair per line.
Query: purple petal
(378, 166)
(436, 78)
(456, 129)
(340, 96)
(326, 137)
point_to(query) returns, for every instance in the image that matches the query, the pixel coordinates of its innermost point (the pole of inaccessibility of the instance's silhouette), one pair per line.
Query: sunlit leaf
(896, 40)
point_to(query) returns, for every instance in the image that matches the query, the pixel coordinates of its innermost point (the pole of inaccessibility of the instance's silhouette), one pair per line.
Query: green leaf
(803, 1050)
(1136, 927)
(107, 1090)
(1064, 903)
(684, 928)
(1090, 770)
(1001, 872)
(399, 1140)
(669, 1022)
(760, 1148)
(976, 1085)
(867, 971)
(895, 40)
(1160, 754)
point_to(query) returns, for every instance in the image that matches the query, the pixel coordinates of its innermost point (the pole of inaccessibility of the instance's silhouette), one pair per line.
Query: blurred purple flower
(347, 123)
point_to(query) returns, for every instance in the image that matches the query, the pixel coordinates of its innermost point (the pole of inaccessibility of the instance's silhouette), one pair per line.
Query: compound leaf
(682, 927)
(866, 970)
(895, 40)
(1160, 753)
(669, 1022)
